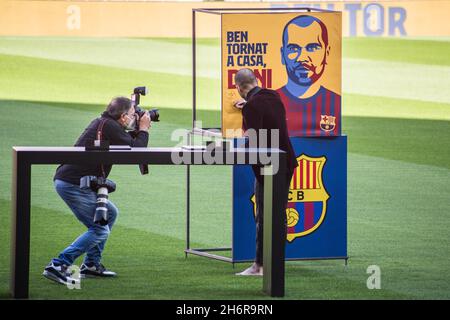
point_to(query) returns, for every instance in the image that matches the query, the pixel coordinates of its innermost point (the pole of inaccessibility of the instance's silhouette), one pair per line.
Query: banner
(317, 206)
(296, 54)
(173, 19)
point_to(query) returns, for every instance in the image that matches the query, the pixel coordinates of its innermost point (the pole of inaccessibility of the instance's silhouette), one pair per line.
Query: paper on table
(194, 147)
(119, 147)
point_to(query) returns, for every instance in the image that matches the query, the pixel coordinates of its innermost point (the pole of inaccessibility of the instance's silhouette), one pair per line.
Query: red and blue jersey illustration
(319, 115)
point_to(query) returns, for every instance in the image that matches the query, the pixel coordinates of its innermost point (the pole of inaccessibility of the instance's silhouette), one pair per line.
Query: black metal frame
(203, 252)
(25, 157)
(220, 11)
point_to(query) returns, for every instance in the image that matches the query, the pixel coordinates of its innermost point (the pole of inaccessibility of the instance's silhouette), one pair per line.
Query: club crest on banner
(307, 202)
(327, 123)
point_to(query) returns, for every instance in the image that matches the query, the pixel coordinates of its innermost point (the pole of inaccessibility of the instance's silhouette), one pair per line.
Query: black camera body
(102, 187)
(153, 113)
(95, 183)
(135, 101)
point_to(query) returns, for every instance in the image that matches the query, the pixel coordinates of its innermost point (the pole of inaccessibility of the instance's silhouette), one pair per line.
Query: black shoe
(59, 274)
(91, 270)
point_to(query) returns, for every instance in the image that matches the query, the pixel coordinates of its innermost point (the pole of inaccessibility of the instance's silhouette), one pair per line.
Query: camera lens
(154, 115)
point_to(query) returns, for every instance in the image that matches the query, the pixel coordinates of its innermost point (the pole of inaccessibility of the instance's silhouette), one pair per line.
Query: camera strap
(99, 137)
(100, 128)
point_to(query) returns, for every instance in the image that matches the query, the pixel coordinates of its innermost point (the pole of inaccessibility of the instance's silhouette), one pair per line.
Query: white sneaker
(91, 270)
(251, 271)
(59, 274)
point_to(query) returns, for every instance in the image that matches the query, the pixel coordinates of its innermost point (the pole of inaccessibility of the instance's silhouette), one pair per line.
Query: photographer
(113, 125)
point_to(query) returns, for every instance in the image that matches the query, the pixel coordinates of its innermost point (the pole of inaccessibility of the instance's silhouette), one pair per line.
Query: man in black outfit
(114, 125)
(262, 109)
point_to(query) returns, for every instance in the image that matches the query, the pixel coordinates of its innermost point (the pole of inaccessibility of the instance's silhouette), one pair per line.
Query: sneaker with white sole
(59, 274)
(251, 271)
(88, 270)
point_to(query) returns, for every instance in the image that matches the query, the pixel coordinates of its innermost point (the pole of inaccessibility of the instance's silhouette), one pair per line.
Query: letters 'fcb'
(307, 202)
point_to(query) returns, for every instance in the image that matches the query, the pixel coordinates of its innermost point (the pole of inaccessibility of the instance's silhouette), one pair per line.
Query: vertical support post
(274, 228)
(20, 228)
(194, 103)
(188, 201)
(194, 70)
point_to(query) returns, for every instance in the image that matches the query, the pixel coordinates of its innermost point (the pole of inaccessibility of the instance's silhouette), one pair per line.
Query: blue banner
(317, 204)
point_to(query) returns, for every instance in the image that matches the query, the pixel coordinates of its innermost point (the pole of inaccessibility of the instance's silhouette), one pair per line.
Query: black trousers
(259, 195)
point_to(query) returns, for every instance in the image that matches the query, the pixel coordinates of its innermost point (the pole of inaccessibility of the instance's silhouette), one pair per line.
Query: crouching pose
(117, 125)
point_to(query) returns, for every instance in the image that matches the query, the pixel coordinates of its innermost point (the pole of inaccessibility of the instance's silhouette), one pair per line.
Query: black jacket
(265, 110)
(111, 131)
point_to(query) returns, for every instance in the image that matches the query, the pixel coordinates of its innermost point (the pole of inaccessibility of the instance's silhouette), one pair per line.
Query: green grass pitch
(396, 107)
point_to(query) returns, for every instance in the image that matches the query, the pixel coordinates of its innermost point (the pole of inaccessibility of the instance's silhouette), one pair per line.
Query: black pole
(188, 202)
(194, 72)
(20, 228)
(274, 230)
(253, 10)
(194, 102)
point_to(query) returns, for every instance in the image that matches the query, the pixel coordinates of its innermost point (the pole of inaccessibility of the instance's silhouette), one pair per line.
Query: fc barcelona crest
(307, 202)
(327, 123)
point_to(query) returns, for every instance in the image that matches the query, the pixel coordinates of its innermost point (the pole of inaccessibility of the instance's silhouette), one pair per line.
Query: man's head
(122, 111)
(245, 81)
(305, 49)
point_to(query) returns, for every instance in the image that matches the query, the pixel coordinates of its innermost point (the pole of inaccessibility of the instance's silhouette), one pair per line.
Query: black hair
(118, 106)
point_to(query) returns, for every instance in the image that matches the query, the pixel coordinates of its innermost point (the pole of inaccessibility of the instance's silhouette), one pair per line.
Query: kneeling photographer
(119, 125)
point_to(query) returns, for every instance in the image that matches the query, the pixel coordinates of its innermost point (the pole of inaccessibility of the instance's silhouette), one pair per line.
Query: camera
(153, 113)
(102, 187)
(135, 100)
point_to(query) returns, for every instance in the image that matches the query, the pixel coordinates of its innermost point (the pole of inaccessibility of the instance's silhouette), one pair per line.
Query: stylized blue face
(304, 51)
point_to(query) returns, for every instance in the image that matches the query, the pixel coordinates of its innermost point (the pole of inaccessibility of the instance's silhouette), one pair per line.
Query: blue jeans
(82, 202)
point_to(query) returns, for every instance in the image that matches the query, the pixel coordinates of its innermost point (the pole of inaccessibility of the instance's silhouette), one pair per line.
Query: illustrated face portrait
(305, 49)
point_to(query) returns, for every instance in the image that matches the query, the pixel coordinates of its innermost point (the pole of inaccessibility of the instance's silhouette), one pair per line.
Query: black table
(25, 157)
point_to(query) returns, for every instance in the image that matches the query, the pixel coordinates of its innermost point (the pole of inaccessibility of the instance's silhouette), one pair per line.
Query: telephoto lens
(103, 187)
(101, 210)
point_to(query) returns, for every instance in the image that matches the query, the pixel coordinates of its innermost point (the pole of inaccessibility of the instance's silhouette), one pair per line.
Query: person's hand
(145, 122)
(240, 103)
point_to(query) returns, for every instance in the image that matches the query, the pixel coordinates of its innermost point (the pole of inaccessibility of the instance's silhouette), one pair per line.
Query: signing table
(25, 157)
